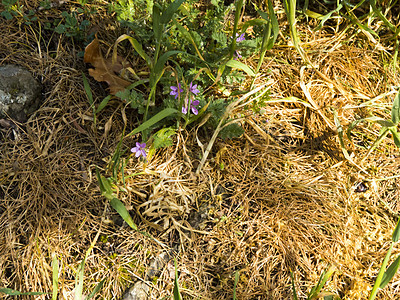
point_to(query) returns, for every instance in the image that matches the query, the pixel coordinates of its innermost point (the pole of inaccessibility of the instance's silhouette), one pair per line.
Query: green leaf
(162, 138)
(123, 212)
(396, 109)
(293, 286)
(325, 275)
(103, 103)
(396, 232)
(188, 36)
(396, 136)
(390, 272)
(157, 72)
(235, 284)
(378, 279)
(12, 292)
(135, 44)
(88, 90)
(155, 119)
(327, 17)
(385, 123)
(157, 28)
(169, 12)
(177, 294)
(60, 29)
(239, 65)
(96, 290)
(55, 278)
(79, 280)
(274, 23)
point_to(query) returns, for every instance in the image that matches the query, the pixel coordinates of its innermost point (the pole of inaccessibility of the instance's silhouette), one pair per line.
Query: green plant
(385, 275)
(388, 126)
(316, 291)
(71, 26)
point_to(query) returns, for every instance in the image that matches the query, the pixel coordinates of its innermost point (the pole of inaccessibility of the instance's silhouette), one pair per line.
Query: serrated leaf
(233, 130)
(390, 272)
(239, 65)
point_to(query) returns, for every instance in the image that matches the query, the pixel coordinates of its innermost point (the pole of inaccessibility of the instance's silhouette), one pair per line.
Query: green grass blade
(103, 103)
(378, 280)
(157, 27)
(378, 13)
(169, 12)
(396, 136)
(396, 232)
(12, 292)
(239, 65)
(123, 212)
(177, 293)
(238, 8)
(235, 284)
(396, 109)
(157, 72)
(325, 275)
(188, 37)
(55, 277)
(155, 119)
(79, 281)
(135, 44)
(89, 94)
(390, 272)
(293, 286)
(81, 267)
(98, 287)
(274, 23)
(327, 17)
(87, 89)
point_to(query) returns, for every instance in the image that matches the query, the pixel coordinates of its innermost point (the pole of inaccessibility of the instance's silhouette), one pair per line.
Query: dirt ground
(280, 198)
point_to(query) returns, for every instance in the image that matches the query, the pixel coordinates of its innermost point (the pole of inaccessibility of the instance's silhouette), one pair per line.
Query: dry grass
(284, 200)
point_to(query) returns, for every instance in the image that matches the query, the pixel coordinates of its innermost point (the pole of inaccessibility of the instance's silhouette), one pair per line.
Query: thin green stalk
(380, 274)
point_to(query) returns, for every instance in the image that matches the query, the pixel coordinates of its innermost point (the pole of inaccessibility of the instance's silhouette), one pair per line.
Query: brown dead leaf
(105, 69)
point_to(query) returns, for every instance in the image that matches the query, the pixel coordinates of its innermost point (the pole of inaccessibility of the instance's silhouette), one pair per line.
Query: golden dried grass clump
(281, 198)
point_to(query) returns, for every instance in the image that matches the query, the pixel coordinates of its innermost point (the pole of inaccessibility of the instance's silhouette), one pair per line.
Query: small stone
(20, 93)
(140, 291)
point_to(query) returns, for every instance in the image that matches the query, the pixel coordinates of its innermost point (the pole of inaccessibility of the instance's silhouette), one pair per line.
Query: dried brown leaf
(105, 69)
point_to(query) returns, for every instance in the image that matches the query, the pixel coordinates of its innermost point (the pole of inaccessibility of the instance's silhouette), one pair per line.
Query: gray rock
(20, 93)
(140, 291)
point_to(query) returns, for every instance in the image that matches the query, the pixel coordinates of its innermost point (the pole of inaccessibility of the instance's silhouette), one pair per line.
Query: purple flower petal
(240, 38)
(194, 110)
(184, 110)
(193, 88)
(139, 149)
(195, 103)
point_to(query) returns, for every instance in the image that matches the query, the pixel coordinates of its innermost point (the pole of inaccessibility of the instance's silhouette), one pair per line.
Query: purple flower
(237, 55)
(176, 90)
(193, 88)
(240, 38)
(139, 149)
(193, 105)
